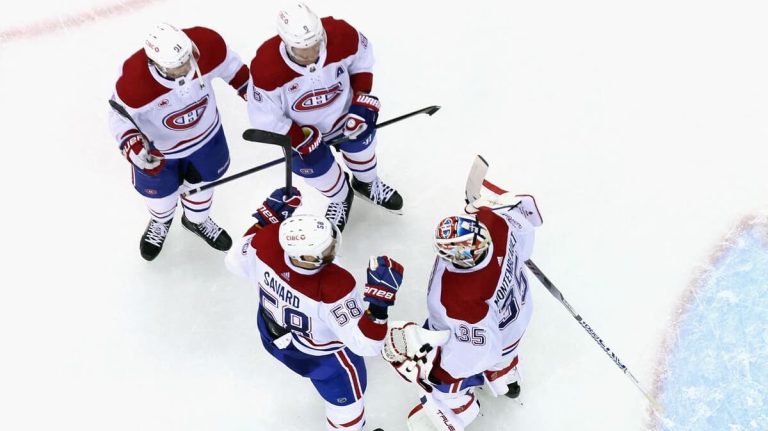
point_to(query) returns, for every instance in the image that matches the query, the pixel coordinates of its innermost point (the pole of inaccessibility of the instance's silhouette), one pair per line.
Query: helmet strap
(195, 66)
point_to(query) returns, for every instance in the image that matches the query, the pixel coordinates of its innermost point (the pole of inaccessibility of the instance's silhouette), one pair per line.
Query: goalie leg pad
(463, 404)
(500, 376)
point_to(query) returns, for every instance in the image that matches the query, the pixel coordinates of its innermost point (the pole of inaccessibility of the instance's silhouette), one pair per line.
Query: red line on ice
(72, 21)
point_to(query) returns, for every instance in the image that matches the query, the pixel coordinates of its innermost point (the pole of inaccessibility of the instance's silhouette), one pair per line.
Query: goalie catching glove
(411, 350)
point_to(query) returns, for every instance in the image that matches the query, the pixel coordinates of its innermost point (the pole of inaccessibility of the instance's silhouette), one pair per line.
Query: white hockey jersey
(178, 116)
(488, 307)
(322, 308)
(284, 96)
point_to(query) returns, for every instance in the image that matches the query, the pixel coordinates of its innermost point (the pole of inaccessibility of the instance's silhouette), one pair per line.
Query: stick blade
(266, 137)
(475, 179)
(432, 109)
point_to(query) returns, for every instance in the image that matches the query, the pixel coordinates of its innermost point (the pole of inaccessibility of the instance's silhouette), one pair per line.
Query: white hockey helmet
(168, 47)
(462, 240)
(309, 239)
(299, 27)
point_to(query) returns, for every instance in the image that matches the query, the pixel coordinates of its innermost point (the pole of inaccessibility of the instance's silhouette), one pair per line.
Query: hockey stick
(475, 181)
(258, 135)
(429, 110)
(284, 142)
(235, 176)
(120, 109)
(559, 296)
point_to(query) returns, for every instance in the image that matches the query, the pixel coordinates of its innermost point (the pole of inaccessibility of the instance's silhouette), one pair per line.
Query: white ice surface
(639, 126)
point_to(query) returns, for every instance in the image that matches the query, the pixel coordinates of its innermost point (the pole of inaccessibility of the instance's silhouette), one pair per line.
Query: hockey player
(313, 83)
(479, 292)
(310, 314)
(166, 88)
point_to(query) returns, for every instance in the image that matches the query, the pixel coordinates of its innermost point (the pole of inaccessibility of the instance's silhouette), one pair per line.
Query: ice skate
(153, 238)
(208, 230)
(338, 212)
(379, 193)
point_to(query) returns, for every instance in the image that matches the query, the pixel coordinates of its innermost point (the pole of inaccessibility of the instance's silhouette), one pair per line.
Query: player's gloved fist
(385, 276)
(151, 162)
(278, 206)
(312, 140)
(360, 124)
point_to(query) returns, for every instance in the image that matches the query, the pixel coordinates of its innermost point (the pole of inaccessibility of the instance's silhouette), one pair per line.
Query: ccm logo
(378, 293)
(295, 237)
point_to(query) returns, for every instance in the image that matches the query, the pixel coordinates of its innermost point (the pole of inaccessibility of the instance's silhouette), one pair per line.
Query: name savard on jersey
(280, 290)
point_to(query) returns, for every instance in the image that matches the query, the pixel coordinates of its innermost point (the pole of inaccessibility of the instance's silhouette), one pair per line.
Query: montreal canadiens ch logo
(447, 228)
(188, 117)
(317, 99)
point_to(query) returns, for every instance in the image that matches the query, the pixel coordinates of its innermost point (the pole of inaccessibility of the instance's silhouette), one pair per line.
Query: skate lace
(156, 233)
(336, 212)
(209, 229)
(380, 192)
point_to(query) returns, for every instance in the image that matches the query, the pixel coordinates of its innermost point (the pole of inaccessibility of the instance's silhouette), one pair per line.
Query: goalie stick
(475, 181)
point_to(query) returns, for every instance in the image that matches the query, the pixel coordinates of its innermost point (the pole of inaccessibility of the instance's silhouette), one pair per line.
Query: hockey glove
(411, 350)
(150, 162)
(312, 141)
(384, 279)
(278, 206)
(360, 124)
(524, 204)
(409, 341)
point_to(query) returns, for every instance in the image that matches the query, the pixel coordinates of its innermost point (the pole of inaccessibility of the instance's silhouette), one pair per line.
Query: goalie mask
(462, 240)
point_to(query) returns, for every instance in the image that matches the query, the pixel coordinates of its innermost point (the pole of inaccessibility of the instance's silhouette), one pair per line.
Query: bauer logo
(188, 117)
(317, 99)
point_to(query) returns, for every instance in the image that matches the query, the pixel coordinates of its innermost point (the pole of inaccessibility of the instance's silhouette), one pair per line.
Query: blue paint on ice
(717, 375)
